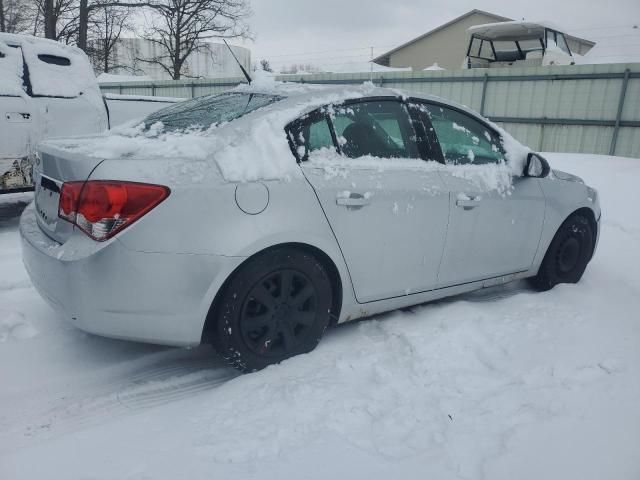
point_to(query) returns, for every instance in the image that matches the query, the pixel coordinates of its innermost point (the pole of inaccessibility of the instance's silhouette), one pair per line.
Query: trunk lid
(53, 167)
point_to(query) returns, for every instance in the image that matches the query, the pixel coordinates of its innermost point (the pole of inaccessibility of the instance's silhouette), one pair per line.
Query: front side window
(203, 112)
(378, 129)
(463, 139)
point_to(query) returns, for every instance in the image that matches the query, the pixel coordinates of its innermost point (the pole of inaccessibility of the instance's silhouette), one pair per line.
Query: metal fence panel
(571, 108)
(631, 109)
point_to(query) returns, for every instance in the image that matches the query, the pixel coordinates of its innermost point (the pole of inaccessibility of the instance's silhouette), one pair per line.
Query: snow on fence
(577, 108)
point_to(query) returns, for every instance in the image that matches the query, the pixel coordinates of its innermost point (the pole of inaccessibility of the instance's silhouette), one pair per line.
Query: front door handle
(468, 203)
(356, 200)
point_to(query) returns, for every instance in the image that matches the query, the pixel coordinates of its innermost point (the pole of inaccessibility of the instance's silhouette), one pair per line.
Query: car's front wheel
(568, 255)
(275, 306)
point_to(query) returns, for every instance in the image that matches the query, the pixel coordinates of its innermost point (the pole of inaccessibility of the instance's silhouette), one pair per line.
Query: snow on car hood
(255, 146)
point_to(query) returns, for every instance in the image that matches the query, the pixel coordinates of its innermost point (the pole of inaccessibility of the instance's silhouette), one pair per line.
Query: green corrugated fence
(577, 108)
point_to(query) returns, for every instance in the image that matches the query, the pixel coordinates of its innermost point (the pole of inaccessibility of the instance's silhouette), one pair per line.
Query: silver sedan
(255, 219)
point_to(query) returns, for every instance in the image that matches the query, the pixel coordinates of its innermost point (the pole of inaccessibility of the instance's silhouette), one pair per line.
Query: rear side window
(380, 129)
(311, 133)
(377, 129)
(463, 139)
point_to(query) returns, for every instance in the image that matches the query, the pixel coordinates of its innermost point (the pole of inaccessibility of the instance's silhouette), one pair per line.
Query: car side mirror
(537, 166)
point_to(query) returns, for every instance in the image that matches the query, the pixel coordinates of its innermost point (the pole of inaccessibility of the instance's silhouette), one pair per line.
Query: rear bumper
(109, 290)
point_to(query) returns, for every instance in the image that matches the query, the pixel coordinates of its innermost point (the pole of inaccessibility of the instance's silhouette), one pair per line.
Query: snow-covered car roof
(252, 147)
(511, 30)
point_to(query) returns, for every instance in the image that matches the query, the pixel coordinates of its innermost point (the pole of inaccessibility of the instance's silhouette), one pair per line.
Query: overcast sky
(336, 31)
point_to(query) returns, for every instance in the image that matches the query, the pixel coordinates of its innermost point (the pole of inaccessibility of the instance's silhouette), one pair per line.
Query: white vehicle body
(518, 44)
(49, 90)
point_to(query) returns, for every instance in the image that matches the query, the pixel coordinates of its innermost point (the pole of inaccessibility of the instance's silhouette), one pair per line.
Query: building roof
(384, 58)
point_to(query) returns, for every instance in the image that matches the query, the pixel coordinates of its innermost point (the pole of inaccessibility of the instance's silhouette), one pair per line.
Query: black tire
(275, 306)
(568, 254)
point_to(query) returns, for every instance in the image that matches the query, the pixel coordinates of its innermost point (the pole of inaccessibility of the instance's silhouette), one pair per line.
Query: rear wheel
(276, 306)
(568, 255)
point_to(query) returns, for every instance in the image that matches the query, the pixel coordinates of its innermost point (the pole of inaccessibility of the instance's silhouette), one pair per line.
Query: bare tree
(56, 19)
(181, 27)
(87, 7)
(264, 64)
(15, 15)
(106, 26)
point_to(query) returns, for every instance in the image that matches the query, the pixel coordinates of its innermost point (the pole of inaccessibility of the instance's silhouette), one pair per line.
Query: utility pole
(371, 62)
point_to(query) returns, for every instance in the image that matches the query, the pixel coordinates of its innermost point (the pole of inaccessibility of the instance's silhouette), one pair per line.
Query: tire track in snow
(142, 389)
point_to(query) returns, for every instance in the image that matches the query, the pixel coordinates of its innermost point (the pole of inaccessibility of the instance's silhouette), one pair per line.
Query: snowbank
(500, 384)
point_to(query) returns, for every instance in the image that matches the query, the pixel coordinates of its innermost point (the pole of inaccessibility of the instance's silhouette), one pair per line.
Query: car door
(492, 231)
(387, 207)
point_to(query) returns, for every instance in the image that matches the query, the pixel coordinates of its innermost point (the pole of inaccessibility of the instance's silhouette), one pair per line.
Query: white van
(47, 90)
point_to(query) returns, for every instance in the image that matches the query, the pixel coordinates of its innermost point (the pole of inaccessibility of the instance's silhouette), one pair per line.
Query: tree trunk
(49, 20)
(177, 64)
(83, 24)
(3, 27)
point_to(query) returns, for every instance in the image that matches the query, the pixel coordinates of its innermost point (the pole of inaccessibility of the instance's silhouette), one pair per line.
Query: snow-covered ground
(500, 384)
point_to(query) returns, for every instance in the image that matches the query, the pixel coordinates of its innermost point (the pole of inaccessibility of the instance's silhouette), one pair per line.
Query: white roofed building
(212, 61)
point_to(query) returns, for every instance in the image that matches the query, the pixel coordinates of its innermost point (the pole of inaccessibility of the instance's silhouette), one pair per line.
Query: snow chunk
(13, 326)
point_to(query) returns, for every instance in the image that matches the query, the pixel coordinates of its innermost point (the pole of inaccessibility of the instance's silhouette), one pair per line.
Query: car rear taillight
(102, 208)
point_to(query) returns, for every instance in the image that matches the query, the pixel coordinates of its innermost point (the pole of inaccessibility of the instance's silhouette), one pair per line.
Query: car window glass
(320, 135)
(202, 112)
(463, 139)
(310, 133)
(379, 129)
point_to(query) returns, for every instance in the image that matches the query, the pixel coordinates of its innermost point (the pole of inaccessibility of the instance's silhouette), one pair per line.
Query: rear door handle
(468, 203)
(353, 200)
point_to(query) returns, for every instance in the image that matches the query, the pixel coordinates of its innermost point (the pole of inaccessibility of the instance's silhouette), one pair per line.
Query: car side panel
(563, 198)
(201, 201)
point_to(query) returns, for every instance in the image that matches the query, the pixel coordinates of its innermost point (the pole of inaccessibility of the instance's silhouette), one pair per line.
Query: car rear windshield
(203, 112)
